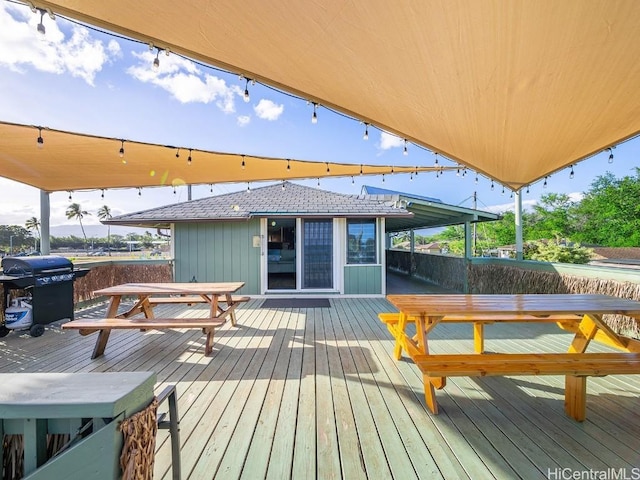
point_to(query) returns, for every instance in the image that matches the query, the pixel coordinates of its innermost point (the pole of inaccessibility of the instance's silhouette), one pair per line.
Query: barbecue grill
(48, 280)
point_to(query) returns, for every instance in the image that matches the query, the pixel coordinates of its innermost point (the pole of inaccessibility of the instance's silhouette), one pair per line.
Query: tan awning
(72, 161)
(515, 89)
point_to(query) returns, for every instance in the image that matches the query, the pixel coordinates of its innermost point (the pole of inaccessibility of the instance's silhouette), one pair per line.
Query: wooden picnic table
(219, 296)
(427, 311)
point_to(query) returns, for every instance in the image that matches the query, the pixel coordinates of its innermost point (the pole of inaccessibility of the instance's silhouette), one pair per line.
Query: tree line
(607, 215)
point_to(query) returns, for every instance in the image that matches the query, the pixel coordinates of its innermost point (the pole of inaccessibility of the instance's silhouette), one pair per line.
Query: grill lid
(23, 266)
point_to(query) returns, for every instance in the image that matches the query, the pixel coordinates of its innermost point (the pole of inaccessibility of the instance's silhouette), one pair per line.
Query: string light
(139, 191)
(476, 178)
(189, 158)
(544, 185)
(503, 190)
(392, 172)
(360, 169)
(328, 167)
(242, 164)
(353, 182)
(42, 11)
(69, 195)
(571, 174)
(248, 187)
(511, 194)
(492, 185)
(174, 190)
(405, 152)
(314, 117)
(283, 187)
(383, 178)
(436, 163)
(288, 164)
(527, 188)
(610, 155)
(156, 61)
(366, 131)
(411, 177)
(40, 140)
(211, 187)
(458, 172)
(102, 194)
(318, 182)
(121, 151)
(246, 92)
(178, 153)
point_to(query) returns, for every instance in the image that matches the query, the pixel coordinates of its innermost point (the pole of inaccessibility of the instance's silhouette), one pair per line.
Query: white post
(45, 213)
(518, 211)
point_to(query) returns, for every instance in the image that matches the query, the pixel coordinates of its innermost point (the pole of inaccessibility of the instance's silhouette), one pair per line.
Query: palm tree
(104, 213)
(75, 211)
(33, 224)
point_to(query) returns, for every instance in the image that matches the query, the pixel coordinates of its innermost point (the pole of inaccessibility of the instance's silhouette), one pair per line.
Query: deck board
(316, 393)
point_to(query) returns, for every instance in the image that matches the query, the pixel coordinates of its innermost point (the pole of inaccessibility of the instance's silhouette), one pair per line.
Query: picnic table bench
(214, 294)
(580, 314)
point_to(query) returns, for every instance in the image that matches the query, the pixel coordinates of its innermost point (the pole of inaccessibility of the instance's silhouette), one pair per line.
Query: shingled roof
(272, 200)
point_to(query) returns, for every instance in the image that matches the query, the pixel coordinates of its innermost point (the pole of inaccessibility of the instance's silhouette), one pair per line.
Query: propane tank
(19, 315)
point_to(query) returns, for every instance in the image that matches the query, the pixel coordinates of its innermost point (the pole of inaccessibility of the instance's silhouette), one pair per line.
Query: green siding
(218, 252)
(362, 279)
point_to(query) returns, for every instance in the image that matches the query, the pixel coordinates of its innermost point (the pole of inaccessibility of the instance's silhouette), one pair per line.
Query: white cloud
(21, 45)
(243, 120)
(268, 110)
(184, 80)
(388, 141)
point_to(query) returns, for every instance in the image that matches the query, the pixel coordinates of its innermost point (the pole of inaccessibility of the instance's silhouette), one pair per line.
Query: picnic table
(580, 314)
(220, 297)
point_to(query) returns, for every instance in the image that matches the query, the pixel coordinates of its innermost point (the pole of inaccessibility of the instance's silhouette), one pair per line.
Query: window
(361, 241)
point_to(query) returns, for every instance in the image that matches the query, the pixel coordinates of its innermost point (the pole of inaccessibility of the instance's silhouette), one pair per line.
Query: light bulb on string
(102, 193)
(189, 158)
(121, 151)
(40, 140)
(156, 61)
(314, 117)
(139, 191)
(353, 182)
(328, 171)
(242, 164)
(544, 185)
(248, 187)
(283, 187)
(458, 172)
(405, 152)
(318, 184)
(360, 169)
(174, 190)
(571, 173)
(411, 177)
(492, 187)
(69, 195)
(610, 155)
(383, 178)
(211, 188)
(476, 178)
(178, 153)
(527, 188)
(436, 162)
(503, 190)
(366, 132)
(246, 92)
(40, 28)
(288, 164)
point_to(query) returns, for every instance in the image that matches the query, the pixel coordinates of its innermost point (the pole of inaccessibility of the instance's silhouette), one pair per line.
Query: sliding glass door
(317, 253)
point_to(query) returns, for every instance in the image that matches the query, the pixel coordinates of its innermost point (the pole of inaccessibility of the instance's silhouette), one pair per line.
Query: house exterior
(283, 238)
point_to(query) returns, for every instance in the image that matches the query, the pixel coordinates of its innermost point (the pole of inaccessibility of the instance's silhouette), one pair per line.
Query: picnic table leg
(233, 311)
(587, 329)
(208, 346)
(575, 397)
(430, 394)
(478, 337)
(398, 333)
(101, 343)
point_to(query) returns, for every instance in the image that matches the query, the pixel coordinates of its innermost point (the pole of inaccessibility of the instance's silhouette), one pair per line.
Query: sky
(79, 79)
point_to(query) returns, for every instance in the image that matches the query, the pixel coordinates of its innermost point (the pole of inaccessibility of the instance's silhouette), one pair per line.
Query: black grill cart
(47, 280)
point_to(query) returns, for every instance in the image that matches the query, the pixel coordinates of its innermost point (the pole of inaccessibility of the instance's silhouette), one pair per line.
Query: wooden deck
(315, 393)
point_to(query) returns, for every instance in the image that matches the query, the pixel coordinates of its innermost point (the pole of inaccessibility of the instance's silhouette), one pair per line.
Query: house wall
(362, 279)
(218, 252)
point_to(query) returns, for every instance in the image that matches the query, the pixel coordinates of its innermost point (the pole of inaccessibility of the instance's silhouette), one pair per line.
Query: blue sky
(78, 79)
